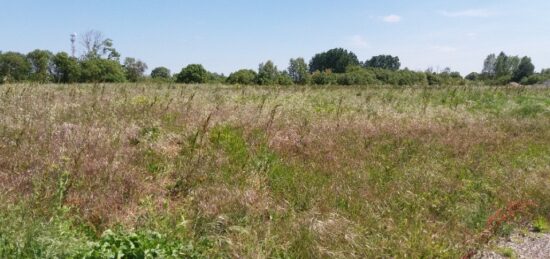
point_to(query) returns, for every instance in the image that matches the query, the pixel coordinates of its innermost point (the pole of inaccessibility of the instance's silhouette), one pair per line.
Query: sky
(229, 35)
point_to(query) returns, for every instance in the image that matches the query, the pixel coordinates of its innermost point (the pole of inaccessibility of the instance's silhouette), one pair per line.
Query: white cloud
(392, 18)
(444, 49)
(358, 41)
(479, 13)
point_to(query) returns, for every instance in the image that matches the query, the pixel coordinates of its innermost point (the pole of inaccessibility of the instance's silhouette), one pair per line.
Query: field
(297, 172)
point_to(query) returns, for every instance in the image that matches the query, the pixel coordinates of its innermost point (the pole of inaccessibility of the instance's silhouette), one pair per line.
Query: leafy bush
(243, 77)
(323, 78)
(193, 74)
(357, 76)
(102, 70)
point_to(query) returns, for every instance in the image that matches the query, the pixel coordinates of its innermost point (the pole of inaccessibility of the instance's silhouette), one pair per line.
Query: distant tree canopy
(503, 69)
(335, 60)
(193, 74)
(161, 73)
(243, 77)
(14, 67)
(65, 69)
(384, 61)
(100, 62)
(267, 73)
(97, 46)
(41, 63)
(298, 71)
(134, 69)
(102, 70)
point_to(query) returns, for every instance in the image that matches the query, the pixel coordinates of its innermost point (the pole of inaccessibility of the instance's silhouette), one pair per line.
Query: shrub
(243, 77)
(102, 70)
(323, 78)
(193, 74)
(161, 73)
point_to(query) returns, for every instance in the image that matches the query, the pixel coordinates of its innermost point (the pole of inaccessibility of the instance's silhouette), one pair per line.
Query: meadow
(173, 170)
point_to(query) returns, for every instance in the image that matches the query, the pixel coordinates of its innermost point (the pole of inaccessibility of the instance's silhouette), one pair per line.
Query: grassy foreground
(218, 171)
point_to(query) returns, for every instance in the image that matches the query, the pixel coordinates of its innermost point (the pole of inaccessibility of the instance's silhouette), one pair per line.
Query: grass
(165, 170)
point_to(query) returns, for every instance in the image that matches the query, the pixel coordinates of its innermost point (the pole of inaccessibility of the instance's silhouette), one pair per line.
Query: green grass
(101, 171)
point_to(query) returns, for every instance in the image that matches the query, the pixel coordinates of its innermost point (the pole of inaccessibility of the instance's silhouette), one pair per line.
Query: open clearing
(211, 170)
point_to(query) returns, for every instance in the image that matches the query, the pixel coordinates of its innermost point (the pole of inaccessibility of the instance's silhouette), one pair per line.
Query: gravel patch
(530, 245)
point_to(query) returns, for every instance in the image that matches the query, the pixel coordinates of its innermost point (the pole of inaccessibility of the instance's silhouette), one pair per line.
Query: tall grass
(240, 171)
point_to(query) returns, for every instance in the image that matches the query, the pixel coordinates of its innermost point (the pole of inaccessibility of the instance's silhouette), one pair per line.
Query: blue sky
(228, 35)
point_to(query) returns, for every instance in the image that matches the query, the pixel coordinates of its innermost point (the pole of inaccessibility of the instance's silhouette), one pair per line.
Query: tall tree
(336, 60)
(96, 45)
(14, 67)
(267, 73)
(524, 69)
(41, 65)
(298, 70)
(489, 65)
(66, 69)
(134, 69)
(384, 61)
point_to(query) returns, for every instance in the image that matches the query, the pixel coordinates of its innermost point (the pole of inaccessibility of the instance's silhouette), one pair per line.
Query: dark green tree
(14, 67)
(385, 62)
(336, 60)
(506, 65)
(161, 73)
(243, 77)
(284, 78)
(134, 69)
(524, 70)
(298, 70)
(65, 69)
(193, 74)
(102, 70)
(41, 65)
(473, 76)
(267, 74)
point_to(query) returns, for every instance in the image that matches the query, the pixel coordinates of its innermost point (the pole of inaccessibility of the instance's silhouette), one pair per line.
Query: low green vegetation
(172, 170)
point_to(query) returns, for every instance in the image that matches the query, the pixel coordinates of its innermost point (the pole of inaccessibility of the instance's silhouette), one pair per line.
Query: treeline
(504, 69)
(101, 62)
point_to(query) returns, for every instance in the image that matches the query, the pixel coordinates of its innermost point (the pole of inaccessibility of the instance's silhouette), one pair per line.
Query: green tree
(102, 70)
(193, 74)
(489, 65)
(473, 76)
(14, 67)
(267, 74)
(41, 65)
(336, 60)
(284, 78)
(506, 65)
(298, 70)
(524, 70)
(65, 69)
(134, 69)
(243, 77)
(384, 61)
(161, 73)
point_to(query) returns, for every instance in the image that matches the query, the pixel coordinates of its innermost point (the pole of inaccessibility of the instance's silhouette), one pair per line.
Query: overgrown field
(226, 171)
